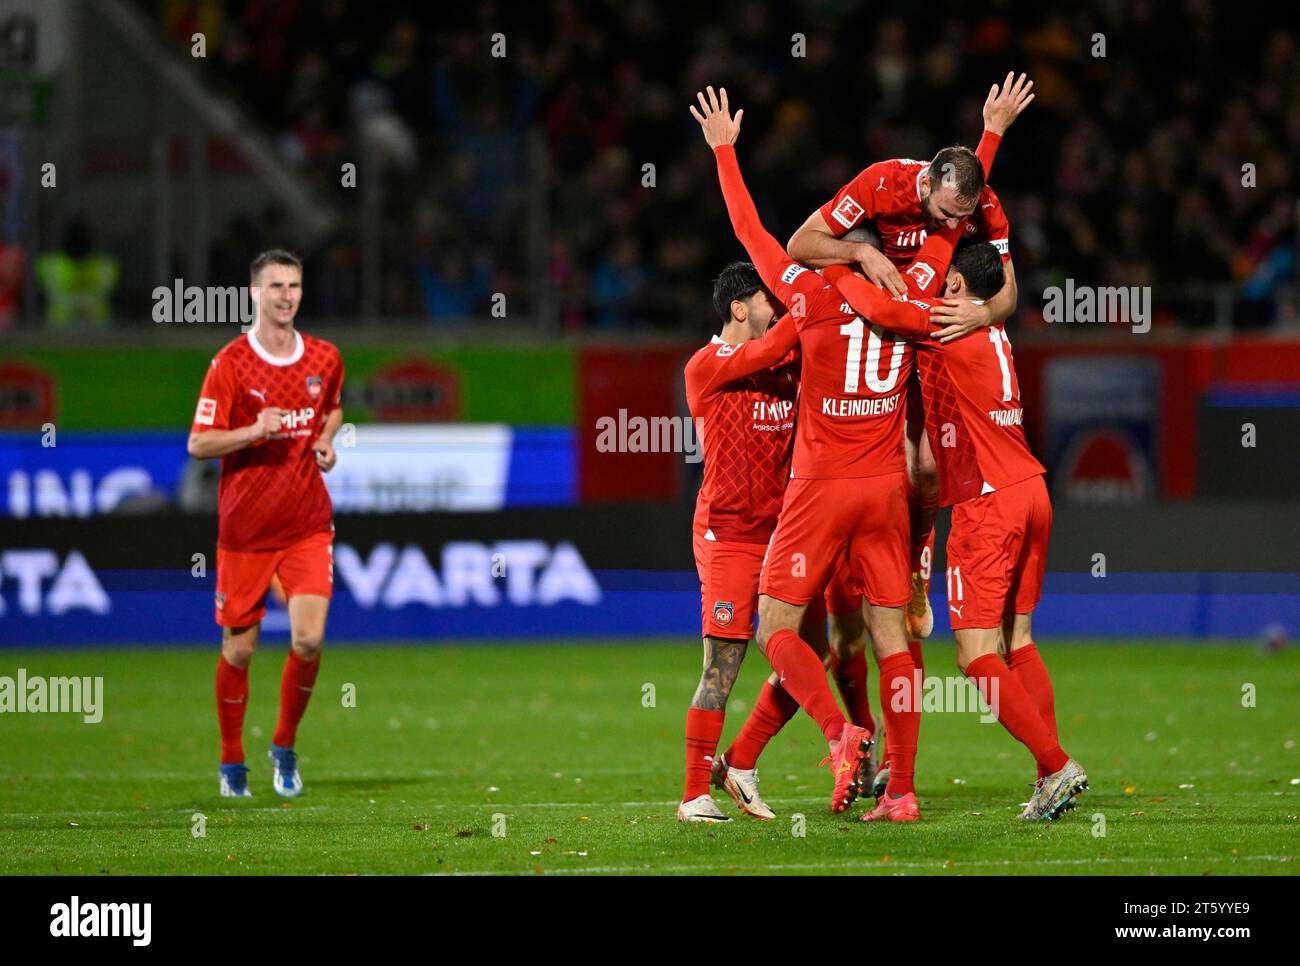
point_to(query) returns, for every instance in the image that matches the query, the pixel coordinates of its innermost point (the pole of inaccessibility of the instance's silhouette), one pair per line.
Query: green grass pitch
(544, 758)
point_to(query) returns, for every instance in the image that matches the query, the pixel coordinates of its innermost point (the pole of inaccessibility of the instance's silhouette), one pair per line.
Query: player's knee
(773, 616)
(851, 647)
(237, 653)
(238, 644)
(307, 644)
(847, 635)
(888, 629)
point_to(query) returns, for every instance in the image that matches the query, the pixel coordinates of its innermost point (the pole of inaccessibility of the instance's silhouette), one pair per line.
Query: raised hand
(716, 121)
(1004, 105)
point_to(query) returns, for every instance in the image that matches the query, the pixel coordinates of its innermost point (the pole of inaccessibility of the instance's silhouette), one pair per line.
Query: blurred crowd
(568, 175)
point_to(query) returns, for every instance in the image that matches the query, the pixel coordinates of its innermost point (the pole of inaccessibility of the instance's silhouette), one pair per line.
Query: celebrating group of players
(884, 389)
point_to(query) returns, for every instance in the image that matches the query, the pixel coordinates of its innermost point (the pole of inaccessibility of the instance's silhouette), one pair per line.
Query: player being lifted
(847, 493)
(269, 408)
(1002, 516)
(904, 201)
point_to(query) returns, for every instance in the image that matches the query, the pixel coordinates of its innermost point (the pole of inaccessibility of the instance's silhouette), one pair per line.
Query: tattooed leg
(721, 665)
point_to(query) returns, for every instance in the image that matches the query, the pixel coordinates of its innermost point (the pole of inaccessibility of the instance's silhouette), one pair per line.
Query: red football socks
(900, 705)
(703, 729)
(1016, 711)
(804, 677)
(232, 701)
(772, 710)
(914, 648)
(851, 679)
(296, 684)
(1028, 667)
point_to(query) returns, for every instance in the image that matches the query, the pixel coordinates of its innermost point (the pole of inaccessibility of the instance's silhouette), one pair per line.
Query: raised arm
(876, 305)
(783, 277)
(1001, 108)
(924, 278)
(710, 372)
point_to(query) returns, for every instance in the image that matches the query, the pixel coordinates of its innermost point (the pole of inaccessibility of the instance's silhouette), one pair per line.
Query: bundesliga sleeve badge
(923, 273)
(723, 613)
(847, 212)
(206, 414)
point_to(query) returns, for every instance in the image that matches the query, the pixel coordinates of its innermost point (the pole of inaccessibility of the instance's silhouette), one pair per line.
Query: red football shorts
(822, 522)
(728, 586)
(997, 554)
(243, 577)
(840, 596)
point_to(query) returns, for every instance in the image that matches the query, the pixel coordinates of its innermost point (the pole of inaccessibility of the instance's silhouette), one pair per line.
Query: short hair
(959, 167)
(739, 280)
(981, 266)
(273, 256)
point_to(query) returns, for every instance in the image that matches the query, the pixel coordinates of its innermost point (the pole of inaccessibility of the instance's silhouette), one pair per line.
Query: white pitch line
(797, 867)
(73, 814)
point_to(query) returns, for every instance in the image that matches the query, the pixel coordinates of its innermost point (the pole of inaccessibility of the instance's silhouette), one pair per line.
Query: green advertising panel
(156, 387)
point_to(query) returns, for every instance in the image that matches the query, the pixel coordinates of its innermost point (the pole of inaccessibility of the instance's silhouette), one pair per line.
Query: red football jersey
(853, 385)
(743, 400)
(271, 493)
(888, 195)
(973, 414)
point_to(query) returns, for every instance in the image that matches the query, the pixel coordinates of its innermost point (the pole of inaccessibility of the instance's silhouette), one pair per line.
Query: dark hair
(739, 280)
(273, 256)
(960, 167)
(981, 266)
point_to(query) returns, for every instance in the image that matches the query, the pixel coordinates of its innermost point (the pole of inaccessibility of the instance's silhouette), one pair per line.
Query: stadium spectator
(1123, 171)
(78, 281)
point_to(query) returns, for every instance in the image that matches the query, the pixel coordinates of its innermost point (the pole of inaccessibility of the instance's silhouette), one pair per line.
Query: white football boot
(700, 809)
(1055, 795)
(742, 785)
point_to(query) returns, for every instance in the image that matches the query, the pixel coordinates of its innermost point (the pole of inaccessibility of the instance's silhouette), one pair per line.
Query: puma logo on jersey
(259, 393)
(881, 186)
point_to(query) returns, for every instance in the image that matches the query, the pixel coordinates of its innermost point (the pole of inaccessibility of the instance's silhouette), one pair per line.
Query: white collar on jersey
(716, 340)
(276, 360)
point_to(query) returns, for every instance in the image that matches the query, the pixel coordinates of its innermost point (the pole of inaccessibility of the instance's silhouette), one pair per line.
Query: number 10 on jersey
(853, 366)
